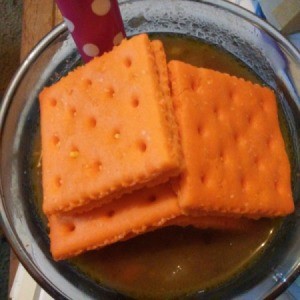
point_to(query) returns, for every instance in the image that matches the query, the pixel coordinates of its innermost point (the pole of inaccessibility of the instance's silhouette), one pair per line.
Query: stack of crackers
(131, 144)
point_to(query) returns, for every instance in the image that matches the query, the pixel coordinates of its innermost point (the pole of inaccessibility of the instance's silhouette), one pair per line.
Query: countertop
(38, 18)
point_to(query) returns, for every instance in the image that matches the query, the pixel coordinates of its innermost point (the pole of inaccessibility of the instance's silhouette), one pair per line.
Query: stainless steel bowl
(230, 27)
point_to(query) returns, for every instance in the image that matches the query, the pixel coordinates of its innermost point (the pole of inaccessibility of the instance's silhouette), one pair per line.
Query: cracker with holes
(120, 219)
(236, 162)
(133, 214)
(108, 128)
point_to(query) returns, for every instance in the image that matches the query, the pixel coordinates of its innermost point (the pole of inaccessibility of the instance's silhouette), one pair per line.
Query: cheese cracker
(106, 129)
(133, 214)
(236, 162)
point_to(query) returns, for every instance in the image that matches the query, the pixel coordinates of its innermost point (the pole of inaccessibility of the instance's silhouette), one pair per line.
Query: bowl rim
(33, 56)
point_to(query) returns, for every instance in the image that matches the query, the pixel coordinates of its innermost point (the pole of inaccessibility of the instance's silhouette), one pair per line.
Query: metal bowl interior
(254, 42)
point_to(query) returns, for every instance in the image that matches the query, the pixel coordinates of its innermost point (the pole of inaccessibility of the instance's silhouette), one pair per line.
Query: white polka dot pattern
(90, 50)
(95, 25)
(69, 24)
(118, 38)
(101, 7)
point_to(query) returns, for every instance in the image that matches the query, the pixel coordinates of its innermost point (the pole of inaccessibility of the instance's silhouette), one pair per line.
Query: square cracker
(133, 214)
(128, 216)
(106, 129)
(236, 162)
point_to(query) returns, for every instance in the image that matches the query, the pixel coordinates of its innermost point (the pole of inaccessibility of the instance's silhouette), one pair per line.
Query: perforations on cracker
(142, 145)
(235, 147)
(114, 109)
(55, 140)
(92, 122)
(110, 213)
(88, 82)
(152, 198)
(74, 152)
(127, 62)
(72, 111)
(131, 215)
(97, 166)
(135, 100)
(53, 102)
(69, 227)
(126, 217)
(110, 92)
(58, 181)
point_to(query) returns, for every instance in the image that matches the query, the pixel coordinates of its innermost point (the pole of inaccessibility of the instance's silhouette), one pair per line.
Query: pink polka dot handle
(96, 25)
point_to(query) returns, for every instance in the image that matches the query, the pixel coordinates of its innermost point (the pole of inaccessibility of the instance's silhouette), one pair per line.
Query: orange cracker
(133, 214)
(128, 216)
(106, 129)
(236, 162)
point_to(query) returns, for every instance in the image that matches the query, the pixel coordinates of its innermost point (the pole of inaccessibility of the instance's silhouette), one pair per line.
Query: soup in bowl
(171, 262)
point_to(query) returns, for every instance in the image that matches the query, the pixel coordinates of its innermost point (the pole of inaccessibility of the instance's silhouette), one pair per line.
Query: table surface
(38, 18)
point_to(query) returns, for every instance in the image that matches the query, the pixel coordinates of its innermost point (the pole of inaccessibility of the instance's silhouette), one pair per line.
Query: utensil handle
(95, 25)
